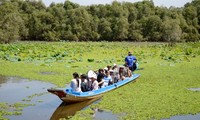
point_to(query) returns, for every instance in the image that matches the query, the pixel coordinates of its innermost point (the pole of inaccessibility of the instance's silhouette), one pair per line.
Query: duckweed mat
(161, 91)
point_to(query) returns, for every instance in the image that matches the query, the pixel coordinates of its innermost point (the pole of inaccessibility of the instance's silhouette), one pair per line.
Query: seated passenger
(114, 76)
(84, 83)
(93, 78)
(128, 71)
(107, 79)
(109, 67)
(76, 83)
(131, 61)
(115, 68)
(100, 77)
(122, 73)
(95, 85)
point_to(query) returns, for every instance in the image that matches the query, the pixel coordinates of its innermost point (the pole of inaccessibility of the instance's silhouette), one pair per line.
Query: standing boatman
(130, 61)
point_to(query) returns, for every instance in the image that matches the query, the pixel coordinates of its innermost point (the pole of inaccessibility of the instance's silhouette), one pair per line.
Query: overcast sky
(167, 3)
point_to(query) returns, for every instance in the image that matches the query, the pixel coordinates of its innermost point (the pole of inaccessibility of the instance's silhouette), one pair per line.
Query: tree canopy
(118, 21)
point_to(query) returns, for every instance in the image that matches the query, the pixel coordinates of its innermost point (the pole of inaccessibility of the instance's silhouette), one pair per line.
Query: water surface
(17, 90)
(67, 110)
(184, 117)
(194, 89)
(46, 105)
(105, 115)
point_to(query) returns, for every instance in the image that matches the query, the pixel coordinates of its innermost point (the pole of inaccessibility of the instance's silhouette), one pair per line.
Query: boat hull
(72, 97)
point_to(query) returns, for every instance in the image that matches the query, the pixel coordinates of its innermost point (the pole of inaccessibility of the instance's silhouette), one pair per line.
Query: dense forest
(31, 20)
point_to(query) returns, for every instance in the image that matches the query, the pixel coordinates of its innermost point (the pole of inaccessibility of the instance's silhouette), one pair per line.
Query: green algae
(160, 92)
(11, 109)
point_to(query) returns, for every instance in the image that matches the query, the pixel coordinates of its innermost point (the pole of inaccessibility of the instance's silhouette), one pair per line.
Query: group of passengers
(103, 77)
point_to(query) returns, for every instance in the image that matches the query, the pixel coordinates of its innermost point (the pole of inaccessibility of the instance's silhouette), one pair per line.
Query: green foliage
(152, 28)
(13, 109)
(171, 31)
(10, 28)
(90, 60)
(126, 21)
(168, 73)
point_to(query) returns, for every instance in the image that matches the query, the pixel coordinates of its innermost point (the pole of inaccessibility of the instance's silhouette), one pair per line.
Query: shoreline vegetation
(119, 21)
(160, 92)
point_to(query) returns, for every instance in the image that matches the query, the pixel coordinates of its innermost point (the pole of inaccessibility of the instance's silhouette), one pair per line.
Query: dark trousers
(133, 68)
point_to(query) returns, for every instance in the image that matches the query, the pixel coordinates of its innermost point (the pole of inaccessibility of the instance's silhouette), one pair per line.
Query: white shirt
(74, 85)
(95, 85)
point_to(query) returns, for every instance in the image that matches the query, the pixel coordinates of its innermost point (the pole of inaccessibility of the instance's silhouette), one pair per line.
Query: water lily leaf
(90, 60)
(75, 66)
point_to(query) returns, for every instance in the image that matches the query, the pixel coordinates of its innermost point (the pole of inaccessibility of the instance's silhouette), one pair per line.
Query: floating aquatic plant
(160, 92)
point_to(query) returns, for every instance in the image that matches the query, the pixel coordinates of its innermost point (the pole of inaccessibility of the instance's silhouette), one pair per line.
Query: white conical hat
(92, 74)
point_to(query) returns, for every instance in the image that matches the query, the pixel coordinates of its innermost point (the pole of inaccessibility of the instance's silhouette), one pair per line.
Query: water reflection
(3, 79)
(65, 110)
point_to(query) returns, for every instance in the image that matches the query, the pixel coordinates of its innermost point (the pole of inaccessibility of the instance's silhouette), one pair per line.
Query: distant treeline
(126, 21)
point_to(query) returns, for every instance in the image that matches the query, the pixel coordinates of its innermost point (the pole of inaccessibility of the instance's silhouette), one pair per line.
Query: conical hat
(92, 74)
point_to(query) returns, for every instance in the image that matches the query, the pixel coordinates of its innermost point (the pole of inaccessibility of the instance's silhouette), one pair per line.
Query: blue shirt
(130, 60)
(107, 79)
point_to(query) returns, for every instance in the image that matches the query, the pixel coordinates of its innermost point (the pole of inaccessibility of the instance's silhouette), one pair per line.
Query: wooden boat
(72, 97)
